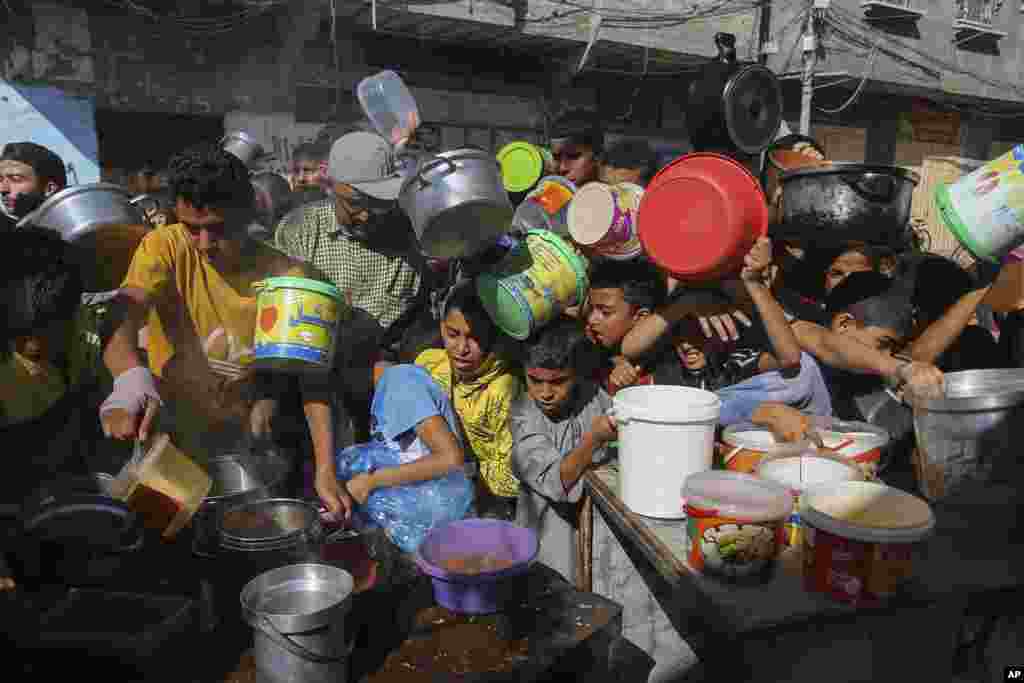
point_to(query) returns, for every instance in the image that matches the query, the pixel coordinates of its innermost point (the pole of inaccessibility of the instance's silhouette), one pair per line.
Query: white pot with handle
(666, 434)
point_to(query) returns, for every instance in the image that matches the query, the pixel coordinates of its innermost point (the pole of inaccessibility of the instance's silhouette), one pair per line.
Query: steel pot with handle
(103, 220)
(457, 202)
(830, 205)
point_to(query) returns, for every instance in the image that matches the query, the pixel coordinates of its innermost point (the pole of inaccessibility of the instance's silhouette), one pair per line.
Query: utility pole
(810, 40)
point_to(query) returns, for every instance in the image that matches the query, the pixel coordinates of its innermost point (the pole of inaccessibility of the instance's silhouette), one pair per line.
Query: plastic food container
(389, 105)
(734, 522)
(495, 551)
(801, 472)
(165, 487)
(859, 536)
(745, 445)
(859, 441)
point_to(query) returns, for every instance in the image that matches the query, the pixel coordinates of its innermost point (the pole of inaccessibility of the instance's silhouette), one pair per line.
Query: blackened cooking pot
(74, 538)
(830, 205)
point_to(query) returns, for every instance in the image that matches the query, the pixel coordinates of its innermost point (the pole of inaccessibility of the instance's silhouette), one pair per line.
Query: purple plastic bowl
(476, 593)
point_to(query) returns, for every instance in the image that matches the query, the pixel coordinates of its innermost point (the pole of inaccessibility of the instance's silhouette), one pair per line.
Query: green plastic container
(985, 208)
(541, 277)
(522, 165)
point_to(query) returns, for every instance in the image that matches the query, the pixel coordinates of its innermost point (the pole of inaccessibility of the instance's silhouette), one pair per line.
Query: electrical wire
(860, 86)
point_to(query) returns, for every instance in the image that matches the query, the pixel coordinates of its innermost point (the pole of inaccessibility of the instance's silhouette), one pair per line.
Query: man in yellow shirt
(189, 284)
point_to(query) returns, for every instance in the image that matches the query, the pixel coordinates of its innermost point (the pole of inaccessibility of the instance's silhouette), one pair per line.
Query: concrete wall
(933, 35)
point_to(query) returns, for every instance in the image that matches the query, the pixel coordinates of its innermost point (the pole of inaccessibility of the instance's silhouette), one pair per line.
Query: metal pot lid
(843, 168)
(268, 521)
(69, 192)
(752, 105)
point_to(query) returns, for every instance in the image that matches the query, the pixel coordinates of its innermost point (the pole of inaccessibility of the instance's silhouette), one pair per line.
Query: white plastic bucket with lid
(665, 435)
(801, 472)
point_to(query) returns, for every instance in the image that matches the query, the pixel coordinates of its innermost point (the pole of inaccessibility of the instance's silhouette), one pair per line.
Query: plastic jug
(163, 486)
(389, 105)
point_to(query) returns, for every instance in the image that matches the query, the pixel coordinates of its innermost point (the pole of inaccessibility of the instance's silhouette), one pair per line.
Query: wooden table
(765, 630)
(555, 633)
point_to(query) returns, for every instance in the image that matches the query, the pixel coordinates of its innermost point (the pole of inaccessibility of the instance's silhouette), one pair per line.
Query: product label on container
(730, 547)
(853, 571)
(989, 203)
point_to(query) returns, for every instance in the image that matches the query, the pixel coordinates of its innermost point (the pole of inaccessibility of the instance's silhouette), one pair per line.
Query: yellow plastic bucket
(985, 208)
(296, 324)
(541, 277)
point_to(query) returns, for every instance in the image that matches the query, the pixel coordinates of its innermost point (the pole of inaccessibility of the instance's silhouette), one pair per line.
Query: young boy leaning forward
(560, 428)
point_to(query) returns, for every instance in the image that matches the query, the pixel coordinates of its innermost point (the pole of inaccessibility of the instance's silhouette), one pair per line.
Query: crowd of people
(853, 331)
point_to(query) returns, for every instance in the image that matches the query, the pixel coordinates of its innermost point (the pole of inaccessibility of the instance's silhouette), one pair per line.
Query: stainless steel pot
(77, 212)
(971, 436)
(103, 220)
(830, 205)
(298, 616)
(457, 202)
(243, 146)
(236, 479)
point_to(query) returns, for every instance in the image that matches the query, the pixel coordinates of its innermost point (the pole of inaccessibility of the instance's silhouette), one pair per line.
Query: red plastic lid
(700, 215)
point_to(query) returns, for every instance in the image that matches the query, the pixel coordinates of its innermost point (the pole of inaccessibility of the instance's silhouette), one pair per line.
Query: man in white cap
(364, 243)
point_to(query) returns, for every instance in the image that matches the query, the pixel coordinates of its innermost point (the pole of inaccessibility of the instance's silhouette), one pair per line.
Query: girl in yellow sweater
(482, 386)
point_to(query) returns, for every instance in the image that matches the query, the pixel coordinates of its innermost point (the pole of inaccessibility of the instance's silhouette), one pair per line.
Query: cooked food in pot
(479, 563)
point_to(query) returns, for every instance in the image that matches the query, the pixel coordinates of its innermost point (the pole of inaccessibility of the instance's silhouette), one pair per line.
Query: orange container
(858, 539)
(744, 446)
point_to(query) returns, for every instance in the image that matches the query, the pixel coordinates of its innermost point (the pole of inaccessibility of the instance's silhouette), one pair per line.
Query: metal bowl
(266, 523)
(103, 221)
(969, 437)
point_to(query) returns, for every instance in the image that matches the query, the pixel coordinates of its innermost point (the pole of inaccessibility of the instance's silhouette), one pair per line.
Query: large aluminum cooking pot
(103, 220)
(830, 205)
(457, 202)
(971, 435)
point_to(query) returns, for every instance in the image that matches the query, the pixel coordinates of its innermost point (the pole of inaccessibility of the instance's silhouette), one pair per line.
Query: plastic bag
(408, 512)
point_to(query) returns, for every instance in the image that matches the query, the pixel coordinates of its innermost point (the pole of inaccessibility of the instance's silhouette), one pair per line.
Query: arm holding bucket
(940, 335)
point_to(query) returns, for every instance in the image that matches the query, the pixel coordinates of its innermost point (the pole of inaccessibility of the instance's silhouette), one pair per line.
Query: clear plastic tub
(164, 487)
(389, 105)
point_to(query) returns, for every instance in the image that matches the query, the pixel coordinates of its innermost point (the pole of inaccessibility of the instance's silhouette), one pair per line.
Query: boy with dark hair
(621, 294)
(560, 428)
(190, 284)
(309, 165)
(577, 145)
(876, 312)
(630, 160)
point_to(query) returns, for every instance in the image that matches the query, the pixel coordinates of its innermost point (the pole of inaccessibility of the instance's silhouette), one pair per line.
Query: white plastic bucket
(801, 472)
(665, 435)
